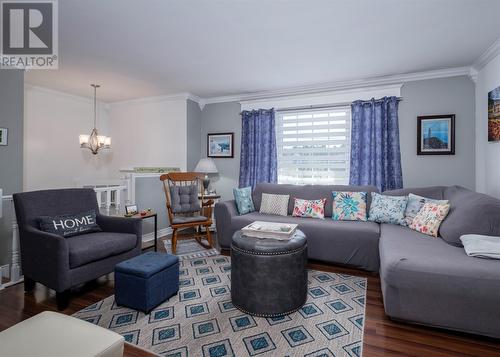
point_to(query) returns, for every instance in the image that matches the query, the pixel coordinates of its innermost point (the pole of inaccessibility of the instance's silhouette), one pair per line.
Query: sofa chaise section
(428, 281)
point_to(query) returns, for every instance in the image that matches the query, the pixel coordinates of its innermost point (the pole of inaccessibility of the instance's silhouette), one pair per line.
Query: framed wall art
(494, 114)
(436, 135)
(220, 145)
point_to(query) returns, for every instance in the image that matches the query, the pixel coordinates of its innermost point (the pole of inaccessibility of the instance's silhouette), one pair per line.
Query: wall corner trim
(473, 74)
(490, 53)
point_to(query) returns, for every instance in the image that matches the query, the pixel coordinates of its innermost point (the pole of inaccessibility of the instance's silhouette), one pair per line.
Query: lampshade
(206, 166)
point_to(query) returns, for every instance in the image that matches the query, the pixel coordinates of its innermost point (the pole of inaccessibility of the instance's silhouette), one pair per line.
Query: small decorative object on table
(272, 230)
(130, 210)
(436, 135)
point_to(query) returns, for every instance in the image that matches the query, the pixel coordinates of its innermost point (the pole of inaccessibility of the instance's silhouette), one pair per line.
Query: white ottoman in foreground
(50, 334)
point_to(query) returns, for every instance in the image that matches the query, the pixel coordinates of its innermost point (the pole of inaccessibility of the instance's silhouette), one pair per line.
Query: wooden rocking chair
(183, 206)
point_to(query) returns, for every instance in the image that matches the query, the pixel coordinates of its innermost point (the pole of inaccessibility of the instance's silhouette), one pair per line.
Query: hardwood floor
(382, 337)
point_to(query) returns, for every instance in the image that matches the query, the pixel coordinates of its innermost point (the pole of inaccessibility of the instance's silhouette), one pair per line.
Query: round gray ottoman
(268, 276)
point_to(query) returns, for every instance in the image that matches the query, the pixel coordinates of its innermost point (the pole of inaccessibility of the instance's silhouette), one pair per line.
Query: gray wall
(11, 156)
(149, 194)
(438, 96)
(194, 149)
(435, 96)
(11, 117)
(223, 118)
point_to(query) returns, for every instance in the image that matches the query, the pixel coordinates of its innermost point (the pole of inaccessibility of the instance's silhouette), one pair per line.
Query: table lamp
(206, 166)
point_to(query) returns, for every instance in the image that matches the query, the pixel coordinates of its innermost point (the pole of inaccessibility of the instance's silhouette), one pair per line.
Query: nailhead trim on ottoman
(268, 277)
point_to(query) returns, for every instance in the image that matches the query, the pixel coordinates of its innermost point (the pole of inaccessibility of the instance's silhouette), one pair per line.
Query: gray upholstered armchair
(61, 263)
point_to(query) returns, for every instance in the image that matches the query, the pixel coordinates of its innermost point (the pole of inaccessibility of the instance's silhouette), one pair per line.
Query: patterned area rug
(189, 249)
(201, 320)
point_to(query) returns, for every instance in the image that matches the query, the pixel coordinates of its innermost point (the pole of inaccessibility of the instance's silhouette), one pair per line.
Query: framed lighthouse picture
(436, 135)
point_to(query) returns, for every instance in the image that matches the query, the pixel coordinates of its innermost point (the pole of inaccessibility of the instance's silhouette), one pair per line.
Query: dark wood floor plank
(383, 337)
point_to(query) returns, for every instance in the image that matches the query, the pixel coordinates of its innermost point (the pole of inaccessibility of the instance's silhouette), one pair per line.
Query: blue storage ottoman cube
(145, 281)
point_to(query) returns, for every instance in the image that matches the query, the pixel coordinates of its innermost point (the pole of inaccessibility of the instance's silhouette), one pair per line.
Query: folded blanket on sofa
(480, 246)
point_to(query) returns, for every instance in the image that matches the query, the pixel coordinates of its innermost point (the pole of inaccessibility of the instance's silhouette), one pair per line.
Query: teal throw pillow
(243, 198)
(387, 209)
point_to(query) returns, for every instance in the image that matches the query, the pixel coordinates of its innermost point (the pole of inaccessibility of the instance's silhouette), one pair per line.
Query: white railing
(110, 196)
(11, 271)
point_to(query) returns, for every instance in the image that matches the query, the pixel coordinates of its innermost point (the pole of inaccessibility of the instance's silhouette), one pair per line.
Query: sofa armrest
(224, 213)
(45, 258)
(120, 225)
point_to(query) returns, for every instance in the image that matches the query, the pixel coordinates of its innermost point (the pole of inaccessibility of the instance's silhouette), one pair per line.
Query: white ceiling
(141, 48)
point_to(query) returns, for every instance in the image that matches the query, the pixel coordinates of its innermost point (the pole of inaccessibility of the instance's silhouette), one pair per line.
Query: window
(313, 146)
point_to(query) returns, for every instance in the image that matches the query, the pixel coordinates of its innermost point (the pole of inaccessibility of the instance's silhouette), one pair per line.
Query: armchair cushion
(87, 248)
(184, 199)
(120, 225)
(70, 224)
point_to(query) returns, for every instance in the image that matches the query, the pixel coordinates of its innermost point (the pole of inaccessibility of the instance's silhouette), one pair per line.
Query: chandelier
(94, 142)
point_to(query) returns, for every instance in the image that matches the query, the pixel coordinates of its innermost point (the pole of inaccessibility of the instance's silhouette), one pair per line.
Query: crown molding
(299, 90)
(487, 56)
(343, 85)
(158, 99)
(89, 99)
(163, 98)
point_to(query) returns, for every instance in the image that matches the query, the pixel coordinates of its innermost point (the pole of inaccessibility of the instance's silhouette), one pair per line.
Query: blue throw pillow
(387, 209)
(243, 198)
(70, 225)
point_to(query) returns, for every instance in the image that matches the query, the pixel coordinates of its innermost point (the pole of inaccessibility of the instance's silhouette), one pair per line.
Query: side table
(150, 215)
(215, 197)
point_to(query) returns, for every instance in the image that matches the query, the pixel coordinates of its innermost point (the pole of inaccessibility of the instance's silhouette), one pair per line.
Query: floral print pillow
(415, 203)
(349, 206)
(309, 208)
(387, 209)
(429, 218)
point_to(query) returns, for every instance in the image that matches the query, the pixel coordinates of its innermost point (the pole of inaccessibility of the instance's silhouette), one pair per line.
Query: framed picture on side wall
(4, 133)
(436, 135)
(220, 145)
(494, 114)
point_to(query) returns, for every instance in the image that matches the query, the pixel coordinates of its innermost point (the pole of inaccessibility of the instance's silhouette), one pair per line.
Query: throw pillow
(274, 204)
(415, 203)
(387, 209)
(70, 224)
(429, 218)
(349, 206)
(243, 198)
(309, 208)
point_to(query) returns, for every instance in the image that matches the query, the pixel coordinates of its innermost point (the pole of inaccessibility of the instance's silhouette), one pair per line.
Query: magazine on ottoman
(271, 230)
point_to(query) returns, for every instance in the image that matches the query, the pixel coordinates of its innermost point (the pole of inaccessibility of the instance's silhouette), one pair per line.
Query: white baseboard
(161, 233)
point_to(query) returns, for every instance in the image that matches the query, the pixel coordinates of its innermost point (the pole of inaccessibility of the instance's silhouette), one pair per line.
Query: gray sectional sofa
(425, 280)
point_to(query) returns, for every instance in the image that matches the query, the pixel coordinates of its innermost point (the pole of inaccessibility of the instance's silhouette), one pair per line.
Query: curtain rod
(319, 107)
